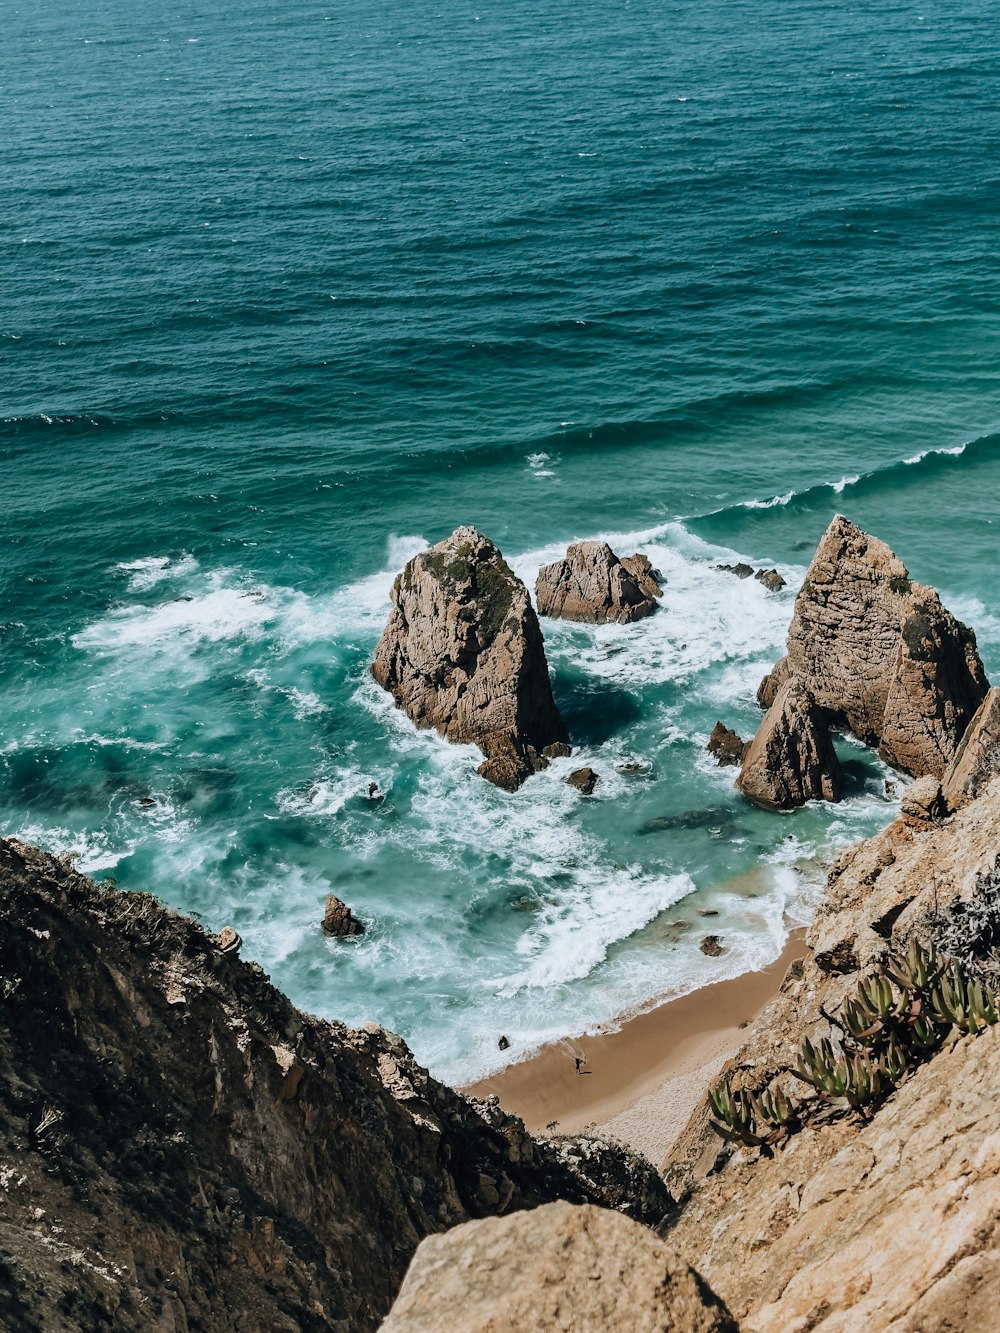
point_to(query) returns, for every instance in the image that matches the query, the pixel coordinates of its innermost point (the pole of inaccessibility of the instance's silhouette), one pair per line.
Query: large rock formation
(592, 584)
(183, 1149)
(879, 655)
(558, 1268)
(852, 1224)
(791, 760)
(462, 652)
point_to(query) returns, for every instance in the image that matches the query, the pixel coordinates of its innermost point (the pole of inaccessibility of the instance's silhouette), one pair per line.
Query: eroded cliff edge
(182, 1149)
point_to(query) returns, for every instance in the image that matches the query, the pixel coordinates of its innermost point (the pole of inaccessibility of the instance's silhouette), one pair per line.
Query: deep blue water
(288, 291)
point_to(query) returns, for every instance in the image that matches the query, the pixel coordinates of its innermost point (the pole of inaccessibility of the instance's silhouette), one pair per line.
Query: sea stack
(592, 584)
(462, 652)
(875, 654)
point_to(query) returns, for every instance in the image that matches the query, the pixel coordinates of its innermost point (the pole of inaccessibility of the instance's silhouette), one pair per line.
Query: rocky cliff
(182, 1149)
(882, 1220)
(462, 652)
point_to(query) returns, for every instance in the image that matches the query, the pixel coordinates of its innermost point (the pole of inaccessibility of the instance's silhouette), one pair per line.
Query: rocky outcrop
(557, 1268)
(462, 652)
(879, 656)
(977, 759)
(184, 1149)
(771, 579)
(338, 919)
(725, 746)
(885, 1223)
(584, 780)
(742, 570)
(591, 584)
(791, 760)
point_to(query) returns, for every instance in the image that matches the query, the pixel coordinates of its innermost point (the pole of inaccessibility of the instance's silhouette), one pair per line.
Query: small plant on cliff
(897, 1019)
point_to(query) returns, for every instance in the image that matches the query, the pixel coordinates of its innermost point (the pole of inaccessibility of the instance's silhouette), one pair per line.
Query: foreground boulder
(591, 584)
(558, 1268)
(184, 1149)
(791, 760)
(462, 652)
(879, 656)
(338, 919)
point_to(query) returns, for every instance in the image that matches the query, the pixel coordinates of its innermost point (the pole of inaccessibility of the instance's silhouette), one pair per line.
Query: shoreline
(641, 1082)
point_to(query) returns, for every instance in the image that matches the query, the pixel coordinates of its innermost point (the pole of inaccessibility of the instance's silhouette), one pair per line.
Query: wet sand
(642, 1081)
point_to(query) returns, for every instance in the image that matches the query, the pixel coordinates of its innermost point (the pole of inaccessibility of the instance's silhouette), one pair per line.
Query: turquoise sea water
(288, 291)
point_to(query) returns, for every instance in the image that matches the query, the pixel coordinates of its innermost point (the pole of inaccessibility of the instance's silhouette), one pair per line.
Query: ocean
(288, 292)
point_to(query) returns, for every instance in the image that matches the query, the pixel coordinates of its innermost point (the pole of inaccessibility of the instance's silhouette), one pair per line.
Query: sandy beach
(642, 1081)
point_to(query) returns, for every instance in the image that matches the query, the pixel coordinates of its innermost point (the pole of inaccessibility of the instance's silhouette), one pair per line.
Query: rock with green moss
(462, 652)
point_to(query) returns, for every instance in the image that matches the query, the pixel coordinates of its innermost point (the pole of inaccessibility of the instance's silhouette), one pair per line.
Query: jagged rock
(650, 580)
(742, 571)
(771, 579)
(228, 1162)
(977, 759)
(726, 747)
(921, 801)
(592, 584)
(462, 652)
(768, 689)
(881, 655)
(584, 780)
(791, 759)
(228, 942)
(338, 918)
(557, 1268)
(712, 946)
(557, 751)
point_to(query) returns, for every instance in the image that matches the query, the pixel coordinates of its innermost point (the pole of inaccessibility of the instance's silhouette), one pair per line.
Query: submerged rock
(592, 584)
(771, 579)
(712, 946)
(791, 760)
(584, 780)
(338, 918)
(725, 746)
(742, 570)
(462, 652)
(557, 1268)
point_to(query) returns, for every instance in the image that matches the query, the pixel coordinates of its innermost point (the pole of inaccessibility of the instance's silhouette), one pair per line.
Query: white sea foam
(153, 569)
(223, 612)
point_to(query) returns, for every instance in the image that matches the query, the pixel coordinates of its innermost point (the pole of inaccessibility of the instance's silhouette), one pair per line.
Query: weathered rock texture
(584, 780)
(893, 1224)
(791, 760)
(559, 1268)
(338, 919)
(879, 655)
(725, 746)
(462, 652)
(182, 1149)
(592, 584)
(977, 759)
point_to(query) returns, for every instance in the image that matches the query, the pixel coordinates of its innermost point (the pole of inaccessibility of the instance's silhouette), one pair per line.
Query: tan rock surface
(591, 584)
(462, 652)
(881, 654)
(977, 759)
(791, 760)
(641, 569)
(894, 1224)
(572, 1269)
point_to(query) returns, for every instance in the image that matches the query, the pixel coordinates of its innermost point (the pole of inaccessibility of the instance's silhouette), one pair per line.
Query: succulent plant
(962, 1002)
(918, 969)
(735, 1115)
(893, 1062)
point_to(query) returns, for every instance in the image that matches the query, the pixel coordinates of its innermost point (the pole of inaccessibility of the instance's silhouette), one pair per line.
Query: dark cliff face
(180, 1148)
